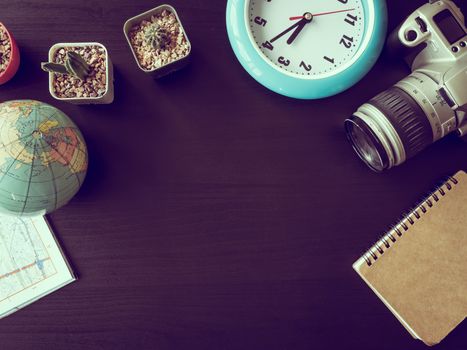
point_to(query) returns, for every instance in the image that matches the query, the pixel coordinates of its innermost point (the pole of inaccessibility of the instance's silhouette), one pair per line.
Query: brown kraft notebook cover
(419, 268)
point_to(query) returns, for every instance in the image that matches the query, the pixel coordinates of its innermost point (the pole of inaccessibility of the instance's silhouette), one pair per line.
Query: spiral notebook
(419, 268)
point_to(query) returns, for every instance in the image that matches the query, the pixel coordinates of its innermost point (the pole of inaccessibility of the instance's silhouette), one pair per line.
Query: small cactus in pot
(80, 73)
(158, 41)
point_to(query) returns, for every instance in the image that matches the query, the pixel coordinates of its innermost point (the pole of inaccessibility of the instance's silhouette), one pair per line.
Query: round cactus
(156, 36)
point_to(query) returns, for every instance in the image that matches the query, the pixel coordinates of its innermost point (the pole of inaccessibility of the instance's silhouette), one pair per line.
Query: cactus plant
(74, 65)
(156, 36)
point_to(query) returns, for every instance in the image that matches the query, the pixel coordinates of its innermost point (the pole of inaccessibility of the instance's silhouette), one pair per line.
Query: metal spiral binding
(407, 221)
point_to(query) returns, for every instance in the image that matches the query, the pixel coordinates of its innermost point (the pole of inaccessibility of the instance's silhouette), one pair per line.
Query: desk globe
(43, 158)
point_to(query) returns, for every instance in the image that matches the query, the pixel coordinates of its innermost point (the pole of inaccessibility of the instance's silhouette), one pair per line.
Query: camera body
(428, 104)
(438, 27)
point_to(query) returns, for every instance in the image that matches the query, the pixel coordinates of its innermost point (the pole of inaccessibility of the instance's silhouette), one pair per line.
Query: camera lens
(366, 144)
(389, 129)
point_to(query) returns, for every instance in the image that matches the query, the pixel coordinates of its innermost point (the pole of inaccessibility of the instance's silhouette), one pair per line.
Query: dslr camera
(428, 104)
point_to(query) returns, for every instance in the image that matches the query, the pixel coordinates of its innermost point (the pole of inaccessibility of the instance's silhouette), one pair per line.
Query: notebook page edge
(64, 274)
(33, 300)
(359, 266)
(59, 246)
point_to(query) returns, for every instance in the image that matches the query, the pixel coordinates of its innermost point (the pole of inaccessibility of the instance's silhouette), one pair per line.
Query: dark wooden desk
(216, 214)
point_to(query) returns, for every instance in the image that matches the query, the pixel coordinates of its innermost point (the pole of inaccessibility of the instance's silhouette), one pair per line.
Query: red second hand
(320, 14)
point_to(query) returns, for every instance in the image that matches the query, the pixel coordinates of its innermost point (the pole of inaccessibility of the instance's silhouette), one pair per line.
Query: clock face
(307, 38)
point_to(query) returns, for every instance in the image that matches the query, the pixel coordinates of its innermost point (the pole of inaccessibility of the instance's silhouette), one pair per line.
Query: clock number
(305, 66)
(268, 45)
(329, 59)
(282, 60)
(346, 41)
(351, 19)
(260, 21)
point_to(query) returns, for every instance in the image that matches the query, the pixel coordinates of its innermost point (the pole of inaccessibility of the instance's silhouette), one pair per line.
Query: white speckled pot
(108, 96)
(172, 66)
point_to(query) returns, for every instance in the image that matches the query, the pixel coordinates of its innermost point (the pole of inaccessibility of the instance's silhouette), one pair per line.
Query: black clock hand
(288, 30)
(296, 32)
(307, 18)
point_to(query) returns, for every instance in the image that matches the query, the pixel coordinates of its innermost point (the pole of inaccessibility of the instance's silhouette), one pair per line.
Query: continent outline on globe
(43, 157)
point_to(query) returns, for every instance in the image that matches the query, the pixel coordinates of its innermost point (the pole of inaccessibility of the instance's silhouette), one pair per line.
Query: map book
(32, 263)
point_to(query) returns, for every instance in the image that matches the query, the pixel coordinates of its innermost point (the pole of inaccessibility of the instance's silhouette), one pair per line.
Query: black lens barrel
(407, 117)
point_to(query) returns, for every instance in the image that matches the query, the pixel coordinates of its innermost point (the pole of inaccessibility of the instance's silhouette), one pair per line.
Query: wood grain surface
(216, 214)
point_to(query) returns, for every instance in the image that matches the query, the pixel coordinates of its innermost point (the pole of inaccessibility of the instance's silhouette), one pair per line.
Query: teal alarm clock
(307, 49)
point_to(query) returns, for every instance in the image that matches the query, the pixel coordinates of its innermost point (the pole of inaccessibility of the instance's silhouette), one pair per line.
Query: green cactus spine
(74, 65)
(156, 36)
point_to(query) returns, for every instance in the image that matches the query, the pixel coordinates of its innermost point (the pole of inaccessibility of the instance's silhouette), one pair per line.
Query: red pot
(13, 64)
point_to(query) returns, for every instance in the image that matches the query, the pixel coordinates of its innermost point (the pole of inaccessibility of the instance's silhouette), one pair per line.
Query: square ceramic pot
(170, 67)
(106, 98)
(13, 63)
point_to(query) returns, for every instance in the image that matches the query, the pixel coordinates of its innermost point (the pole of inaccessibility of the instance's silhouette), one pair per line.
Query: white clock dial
(304, 38)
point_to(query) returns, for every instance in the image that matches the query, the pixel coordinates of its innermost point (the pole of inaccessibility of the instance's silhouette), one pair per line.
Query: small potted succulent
(80, 73)
(158, 41)
(9, 55)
